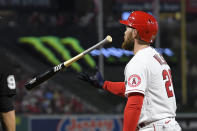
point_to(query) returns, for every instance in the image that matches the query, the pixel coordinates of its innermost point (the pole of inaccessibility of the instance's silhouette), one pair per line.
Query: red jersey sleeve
(117, 88)
(132, 111)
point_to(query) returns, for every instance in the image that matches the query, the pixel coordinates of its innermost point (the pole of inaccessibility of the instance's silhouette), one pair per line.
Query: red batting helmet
(144, 23)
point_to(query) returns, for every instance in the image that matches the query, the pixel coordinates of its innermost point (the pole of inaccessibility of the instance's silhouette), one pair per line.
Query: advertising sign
(77, 123)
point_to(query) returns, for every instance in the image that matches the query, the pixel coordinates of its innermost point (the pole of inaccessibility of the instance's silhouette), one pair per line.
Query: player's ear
(135, 33)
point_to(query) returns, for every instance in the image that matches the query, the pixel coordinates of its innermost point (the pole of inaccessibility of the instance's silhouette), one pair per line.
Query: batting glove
(96, 79)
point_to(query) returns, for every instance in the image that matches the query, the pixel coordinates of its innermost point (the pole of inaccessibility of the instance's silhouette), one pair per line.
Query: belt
(143, 124)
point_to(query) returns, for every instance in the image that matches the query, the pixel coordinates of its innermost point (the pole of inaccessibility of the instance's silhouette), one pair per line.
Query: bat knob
(109, 38)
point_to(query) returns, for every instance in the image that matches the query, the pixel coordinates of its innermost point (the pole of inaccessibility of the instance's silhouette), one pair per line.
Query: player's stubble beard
(128, 43)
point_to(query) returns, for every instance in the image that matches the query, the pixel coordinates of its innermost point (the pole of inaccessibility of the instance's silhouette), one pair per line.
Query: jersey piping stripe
(135, 90)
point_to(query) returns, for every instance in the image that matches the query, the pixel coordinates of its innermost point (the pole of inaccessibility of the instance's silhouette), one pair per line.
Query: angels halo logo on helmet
(144, 23)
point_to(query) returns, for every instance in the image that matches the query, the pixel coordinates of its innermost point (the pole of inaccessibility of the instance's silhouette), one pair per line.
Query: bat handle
(70, 61)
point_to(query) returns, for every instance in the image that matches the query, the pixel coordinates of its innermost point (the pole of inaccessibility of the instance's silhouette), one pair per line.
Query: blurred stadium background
(38, 34)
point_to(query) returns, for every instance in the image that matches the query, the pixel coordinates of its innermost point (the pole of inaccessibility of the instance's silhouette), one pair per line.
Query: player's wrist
(104, 86)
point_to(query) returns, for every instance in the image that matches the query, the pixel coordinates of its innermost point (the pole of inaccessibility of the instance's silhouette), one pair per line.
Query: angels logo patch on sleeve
(134, 80)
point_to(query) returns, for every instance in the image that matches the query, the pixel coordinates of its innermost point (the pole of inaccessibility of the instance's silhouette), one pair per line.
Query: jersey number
(167, 76)
(11, 82)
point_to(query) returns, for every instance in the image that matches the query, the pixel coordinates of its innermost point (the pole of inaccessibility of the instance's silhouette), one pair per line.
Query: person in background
(7, 94)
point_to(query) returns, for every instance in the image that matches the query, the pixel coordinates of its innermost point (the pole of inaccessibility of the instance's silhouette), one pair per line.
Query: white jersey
(148, 73)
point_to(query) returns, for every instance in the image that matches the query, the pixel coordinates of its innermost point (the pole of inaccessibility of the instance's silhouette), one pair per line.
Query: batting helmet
(144, 23)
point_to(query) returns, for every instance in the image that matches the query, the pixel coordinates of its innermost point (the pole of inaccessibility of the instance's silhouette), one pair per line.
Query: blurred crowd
(49, 99)
(53, 19)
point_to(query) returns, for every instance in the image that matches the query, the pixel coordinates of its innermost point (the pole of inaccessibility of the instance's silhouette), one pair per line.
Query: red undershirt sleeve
(117, 88)
(132, 111)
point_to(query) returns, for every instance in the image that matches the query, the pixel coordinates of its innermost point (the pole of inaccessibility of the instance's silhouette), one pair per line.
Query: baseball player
(7, 93)
(151, 104)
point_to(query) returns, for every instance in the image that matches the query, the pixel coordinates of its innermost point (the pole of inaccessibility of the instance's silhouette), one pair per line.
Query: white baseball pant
(167, 124)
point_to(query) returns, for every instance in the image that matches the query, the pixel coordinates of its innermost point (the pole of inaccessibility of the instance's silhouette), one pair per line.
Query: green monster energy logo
(59, 45)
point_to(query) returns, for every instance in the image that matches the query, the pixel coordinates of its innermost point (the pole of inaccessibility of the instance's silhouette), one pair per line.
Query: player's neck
(138, 47)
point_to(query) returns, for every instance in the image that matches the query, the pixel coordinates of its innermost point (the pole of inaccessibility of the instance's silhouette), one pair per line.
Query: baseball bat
(51, 72)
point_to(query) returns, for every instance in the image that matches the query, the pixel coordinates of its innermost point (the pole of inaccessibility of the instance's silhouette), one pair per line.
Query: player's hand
(96, 79)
